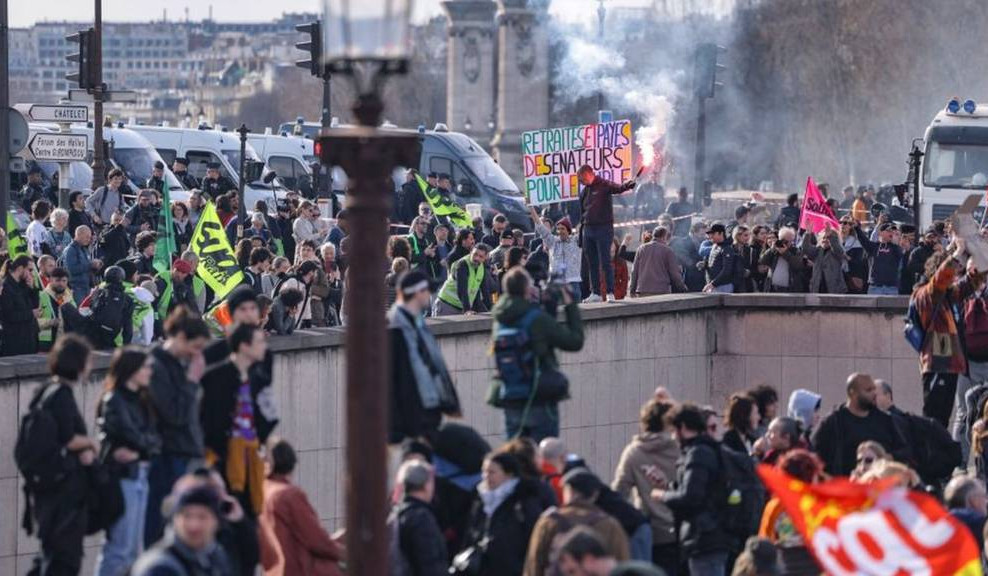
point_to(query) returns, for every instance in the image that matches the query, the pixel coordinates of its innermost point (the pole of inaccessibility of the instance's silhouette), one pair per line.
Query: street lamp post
(242, 206)
(367, 42)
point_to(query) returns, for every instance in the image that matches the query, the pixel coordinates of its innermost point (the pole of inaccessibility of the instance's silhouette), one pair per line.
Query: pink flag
(816, 212)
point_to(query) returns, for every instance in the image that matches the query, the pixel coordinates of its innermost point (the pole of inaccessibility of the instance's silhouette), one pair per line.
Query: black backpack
(109, 313)
(39, 456)
(514, 357)
(744, 494)
(935, 451)
(399, 565)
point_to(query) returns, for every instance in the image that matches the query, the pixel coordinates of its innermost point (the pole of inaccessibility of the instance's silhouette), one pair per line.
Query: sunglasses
(867, 460)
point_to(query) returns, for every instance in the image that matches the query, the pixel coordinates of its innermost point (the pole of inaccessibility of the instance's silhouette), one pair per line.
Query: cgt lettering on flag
(218, 266)
(875, 529)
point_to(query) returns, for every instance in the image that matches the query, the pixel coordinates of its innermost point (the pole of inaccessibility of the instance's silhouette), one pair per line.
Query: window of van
(198, 160)
(461, 183)
(167, 155)
(288, 169)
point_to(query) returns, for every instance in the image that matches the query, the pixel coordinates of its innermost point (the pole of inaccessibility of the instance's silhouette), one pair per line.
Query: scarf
(850, 243)
(435, 387)
(492, 499)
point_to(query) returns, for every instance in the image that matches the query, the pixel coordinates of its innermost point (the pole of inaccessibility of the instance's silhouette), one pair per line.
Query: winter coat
(597, 204)
(17, 303)
(697, 496)
(562, 520)
(77, 263)
(421, 387)
(661, 451)
(175, 399)
(656, 271)
(220, 386)
(124, 421)
(508, 530)
(78, 218)
(828, 265)
(114, 244)
(771, 258)
(943, 351)
(173, 558)
(721, 265)
(301, 542)
(688, 253)
(565, 258)
(422, 544)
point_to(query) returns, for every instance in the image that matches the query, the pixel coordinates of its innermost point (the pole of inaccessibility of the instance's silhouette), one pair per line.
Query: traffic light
(706, 68)
(85, 59)
(313, 47)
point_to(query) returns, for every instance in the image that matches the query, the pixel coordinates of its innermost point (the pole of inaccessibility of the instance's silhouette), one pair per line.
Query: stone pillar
(523, 78)
(470, 68)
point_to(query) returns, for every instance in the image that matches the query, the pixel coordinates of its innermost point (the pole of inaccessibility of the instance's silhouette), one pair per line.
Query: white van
(290, 157)
(205, 146)
(129, 151)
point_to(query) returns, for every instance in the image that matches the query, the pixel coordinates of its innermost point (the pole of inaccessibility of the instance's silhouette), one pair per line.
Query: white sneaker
(591, 299)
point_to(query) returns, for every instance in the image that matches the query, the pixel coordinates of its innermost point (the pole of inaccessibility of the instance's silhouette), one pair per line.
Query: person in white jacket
(565, 255)
(144, 314)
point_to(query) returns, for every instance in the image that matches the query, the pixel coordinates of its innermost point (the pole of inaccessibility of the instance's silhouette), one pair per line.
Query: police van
(204, 146)
(290, 157)
(955, 164)
(128, 151)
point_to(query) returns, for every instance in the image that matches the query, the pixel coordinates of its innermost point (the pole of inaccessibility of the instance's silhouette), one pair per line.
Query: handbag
(105, 501)
(552, 386)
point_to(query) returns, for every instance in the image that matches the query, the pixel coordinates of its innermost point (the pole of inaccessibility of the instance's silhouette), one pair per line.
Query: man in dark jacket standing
(421, 387)
(720, 263)
(597, 226)
(541, 419)
(157, 180)
(886, 258)
(698, 494)
(858, 420)
(421, 547)
(19, 308)
(238, 413)
(178, 366)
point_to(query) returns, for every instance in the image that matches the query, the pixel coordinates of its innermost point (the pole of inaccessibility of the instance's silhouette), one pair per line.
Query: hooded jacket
(143, 324)
(656, 449)
(697, 497)
(803, 404)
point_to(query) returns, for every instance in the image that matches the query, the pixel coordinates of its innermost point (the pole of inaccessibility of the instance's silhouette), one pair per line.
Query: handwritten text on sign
(553, 156)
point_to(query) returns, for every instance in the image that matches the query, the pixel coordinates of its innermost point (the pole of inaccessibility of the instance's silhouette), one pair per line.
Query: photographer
(528, 382)
(785, 264)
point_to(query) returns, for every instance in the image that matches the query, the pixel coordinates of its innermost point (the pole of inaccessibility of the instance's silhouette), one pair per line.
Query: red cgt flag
(877, 529)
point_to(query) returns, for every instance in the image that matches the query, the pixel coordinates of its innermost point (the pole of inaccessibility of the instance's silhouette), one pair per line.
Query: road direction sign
(59, 147)
(78, 95)
(58, 113)
(18, 131)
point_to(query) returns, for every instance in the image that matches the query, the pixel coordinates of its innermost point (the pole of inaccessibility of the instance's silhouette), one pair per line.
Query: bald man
(856, 421)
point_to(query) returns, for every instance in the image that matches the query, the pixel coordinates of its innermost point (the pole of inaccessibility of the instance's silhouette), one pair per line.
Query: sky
(25, 13)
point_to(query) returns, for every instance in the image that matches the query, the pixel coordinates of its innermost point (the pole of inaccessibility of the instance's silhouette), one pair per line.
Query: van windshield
(957, 157)
(138, 163)
(492, 175)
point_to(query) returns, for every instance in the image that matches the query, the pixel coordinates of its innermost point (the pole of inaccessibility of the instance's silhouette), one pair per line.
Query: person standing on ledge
(597, 226)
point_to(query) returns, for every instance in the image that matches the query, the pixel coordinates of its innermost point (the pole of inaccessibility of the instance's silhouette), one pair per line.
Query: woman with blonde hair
(869, 453)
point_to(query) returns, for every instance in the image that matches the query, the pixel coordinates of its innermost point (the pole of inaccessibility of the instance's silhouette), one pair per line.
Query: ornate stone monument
(523, 78)
(470, 74)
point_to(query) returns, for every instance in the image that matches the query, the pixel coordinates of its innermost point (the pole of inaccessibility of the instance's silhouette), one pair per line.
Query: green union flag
(165, 247)
(16, 245)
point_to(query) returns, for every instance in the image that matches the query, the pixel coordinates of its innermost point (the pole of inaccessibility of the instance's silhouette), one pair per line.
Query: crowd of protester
(186, 476)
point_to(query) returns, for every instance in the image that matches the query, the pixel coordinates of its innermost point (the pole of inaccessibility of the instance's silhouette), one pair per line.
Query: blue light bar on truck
(954, 106)
(970, 106)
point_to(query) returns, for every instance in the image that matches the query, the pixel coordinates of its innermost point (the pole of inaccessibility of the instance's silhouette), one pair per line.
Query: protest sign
(218, 266)
(816, 213)
(553, 156)
(873, 529)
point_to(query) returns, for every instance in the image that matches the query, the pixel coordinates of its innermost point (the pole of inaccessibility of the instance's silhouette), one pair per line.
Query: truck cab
(955, 164)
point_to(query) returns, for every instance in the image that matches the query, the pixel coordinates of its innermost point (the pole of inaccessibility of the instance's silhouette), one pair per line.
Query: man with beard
(857, 420)
(19, 308)
(51, 321)
(157, 179)
(214, 184)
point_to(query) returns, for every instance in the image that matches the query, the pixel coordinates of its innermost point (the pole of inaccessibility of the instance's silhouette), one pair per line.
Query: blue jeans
(724, 289)
(883, 290)
(597, 242)
(125, 538)
(576, 291)
(641, 543)
(165, 470)
(708, 564)
(542, 421)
